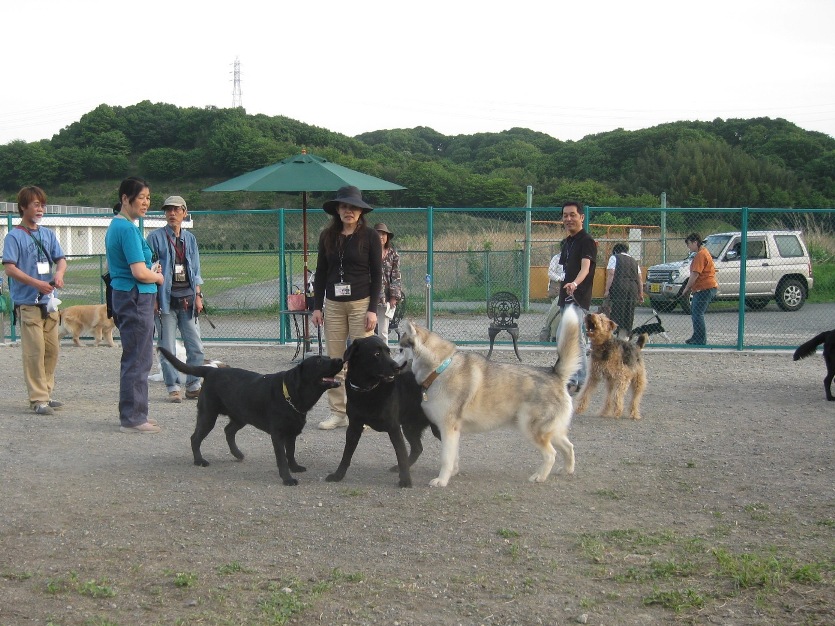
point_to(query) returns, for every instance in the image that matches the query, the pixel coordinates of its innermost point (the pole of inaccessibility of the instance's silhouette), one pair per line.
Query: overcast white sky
(565, 68)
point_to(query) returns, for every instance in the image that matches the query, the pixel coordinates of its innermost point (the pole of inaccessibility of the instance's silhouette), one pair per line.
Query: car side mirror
(731, 255)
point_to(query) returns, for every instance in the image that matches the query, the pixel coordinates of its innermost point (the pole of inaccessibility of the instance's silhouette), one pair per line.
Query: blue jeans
(698, 306)
(579, 377)
(190, 333)
(136, 331)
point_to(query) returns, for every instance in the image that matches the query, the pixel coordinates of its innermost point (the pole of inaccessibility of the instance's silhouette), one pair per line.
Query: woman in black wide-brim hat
(346, 284)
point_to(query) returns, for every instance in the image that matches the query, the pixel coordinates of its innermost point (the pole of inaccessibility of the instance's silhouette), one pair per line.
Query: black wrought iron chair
(503, 310)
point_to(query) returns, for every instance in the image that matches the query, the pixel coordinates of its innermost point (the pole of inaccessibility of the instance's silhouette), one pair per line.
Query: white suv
(778, 268)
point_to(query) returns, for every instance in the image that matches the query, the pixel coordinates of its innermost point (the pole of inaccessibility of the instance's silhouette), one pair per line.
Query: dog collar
(289, 401)
(360, 389)
(434, 374)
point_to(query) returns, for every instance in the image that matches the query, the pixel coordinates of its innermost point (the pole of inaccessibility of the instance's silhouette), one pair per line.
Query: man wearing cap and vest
(180, 300)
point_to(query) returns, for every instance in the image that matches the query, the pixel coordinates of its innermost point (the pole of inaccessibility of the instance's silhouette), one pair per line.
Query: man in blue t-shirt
(30, 252)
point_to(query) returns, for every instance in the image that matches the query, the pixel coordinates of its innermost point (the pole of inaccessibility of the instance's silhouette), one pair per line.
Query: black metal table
(302, 342)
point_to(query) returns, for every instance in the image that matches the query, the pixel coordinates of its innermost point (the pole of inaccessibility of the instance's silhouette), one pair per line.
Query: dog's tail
(809, 348)
(200, 371)
(568, 345)
(643, 338)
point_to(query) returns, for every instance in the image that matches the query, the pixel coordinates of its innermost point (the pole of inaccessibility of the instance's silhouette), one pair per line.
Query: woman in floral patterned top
(392, 291)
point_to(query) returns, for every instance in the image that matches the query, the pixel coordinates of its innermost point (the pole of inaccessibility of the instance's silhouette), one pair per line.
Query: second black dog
(827, 338)
(275, 403)
(386, 397)
(649, 327)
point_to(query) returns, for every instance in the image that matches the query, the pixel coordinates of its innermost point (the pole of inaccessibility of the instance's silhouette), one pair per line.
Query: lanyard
(37, 241)
(342, 246)
(178, 252)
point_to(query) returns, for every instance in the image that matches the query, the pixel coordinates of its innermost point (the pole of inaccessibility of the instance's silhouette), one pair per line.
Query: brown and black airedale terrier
(617, 361)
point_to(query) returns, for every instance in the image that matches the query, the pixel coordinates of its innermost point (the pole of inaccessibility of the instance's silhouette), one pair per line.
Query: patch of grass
(676, 600)
(611, 494)
(634, 557)
(16, 576)
(291, 597)
(230, 568)
(96, 589)
(281, 605)
(353, 492)
(758, 511)
(768, 572)
(506, 533)
(185, 580)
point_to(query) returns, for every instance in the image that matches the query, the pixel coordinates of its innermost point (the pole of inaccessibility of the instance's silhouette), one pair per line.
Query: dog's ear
(612, 325)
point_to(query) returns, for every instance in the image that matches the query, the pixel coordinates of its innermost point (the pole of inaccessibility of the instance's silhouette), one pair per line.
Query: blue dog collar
(435, 373)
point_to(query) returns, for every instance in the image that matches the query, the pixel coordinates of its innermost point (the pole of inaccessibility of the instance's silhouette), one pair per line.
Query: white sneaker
(336, 420)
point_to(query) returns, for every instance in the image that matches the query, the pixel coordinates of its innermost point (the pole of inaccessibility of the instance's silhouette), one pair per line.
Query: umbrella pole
(306, 271)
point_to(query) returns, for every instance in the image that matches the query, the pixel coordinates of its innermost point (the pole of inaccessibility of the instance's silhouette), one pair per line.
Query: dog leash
(433, 375)
(287, 397)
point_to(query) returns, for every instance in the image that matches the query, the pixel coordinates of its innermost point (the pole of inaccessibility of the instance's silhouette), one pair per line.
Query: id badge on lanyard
(43, 267)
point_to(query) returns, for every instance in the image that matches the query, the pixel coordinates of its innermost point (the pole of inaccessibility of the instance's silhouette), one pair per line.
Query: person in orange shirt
(702, 283)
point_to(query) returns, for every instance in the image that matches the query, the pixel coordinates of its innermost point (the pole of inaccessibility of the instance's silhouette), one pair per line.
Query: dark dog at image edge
(385, 396)
(466, 393)
(275, 403)
(827, 338)
(616, 361)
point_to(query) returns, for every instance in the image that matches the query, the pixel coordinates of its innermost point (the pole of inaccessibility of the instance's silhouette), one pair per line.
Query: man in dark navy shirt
(579, 258)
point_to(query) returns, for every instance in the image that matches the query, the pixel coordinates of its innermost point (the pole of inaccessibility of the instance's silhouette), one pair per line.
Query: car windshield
(715, 244)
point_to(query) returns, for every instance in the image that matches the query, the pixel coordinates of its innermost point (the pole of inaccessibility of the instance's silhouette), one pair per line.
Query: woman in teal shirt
(134, 281)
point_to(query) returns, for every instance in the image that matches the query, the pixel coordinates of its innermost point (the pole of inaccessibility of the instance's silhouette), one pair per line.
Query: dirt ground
(717, 508)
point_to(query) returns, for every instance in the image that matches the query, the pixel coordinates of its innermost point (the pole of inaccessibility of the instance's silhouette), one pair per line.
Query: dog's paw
(295, 467)
(291, 482)
(536, 478)
(333, 478)
(405, 482)
(437, 482)
(201, 463)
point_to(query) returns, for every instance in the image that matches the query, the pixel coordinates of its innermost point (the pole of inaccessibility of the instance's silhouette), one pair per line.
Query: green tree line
(758, 162)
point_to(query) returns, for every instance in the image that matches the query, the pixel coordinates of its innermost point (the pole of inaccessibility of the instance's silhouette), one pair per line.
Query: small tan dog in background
(87, 319)
(619, 363)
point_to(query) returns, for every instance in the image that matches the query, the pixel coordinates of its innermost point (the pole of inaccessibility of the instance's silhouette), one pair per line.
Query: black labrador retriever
(827, 338)
(386, 397)
(275, 403)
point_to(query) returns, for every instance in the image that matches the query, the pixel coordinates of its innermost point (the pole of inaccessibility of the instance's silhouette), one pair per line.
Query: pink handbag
(296, 302)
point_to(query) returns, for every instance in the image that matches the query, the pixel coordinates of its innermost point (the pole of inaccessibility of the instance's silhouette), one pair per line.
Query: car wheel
(662, 306)
(791, 294)
(685, 304)
(755, 304)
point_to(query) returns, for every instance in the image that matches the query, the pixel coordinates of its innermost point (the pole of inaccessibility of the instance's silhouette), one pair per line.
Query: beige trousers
(343, 320)
(40, 346)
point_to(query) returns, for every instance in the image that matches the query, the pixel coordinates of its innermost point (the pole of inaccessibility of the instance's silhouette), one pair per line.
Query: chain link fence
(774, 292)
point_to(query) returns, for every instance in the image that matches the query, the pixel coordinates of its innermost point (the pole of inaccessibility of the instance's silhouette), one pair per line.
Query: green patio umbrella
(304, 173)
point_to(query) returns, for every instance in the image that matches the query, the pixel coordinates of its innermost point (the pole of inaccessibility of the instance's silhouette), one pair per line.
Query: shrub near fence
(471, 253)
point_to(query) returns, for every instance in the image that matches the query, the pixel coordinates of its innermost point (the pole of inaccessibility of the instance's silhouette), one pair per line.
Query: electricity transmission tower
(236, 85)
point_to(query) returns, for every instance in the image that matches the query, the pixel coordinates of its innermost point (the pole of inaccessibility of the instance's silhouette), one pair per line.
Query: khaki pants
(343, 320)
(40, 346)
